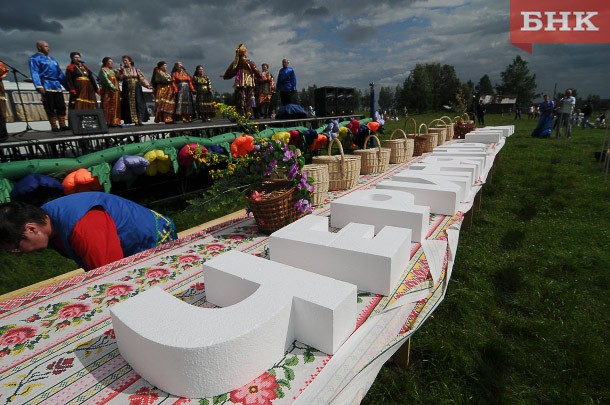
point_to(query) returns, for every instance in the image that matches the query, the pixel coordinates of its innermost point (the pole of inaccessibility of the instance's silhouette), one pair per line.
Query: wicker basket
(431, 139)
(275, 209)
(373, 160)
(319, 174)
(419, 143)
(343, 170)
(401, 150)
(439, 129)
(449, 125)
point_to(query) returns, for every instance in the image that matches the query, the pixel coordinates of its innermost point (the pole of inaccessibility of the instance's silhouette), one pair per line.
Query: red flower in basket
(257, 196)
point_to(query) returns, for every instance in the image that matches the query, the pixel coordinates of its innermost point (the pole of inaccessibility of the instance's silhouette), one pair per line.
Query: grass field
(526, 318)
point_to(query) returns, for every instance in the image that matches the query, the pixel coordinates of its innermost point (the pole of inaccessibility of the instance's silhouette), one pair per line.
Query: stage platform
(40, 142)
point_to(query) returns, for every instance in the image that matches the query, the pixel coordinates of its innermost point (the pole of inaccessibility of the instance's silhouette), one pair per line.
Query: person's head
(265, 67)
(568, 92)
(162, 65)
(177, 67)
(24, 228)
(42, 47)
(285, 62)
(127, 60)
(198, 71)
(75, 57)
(108, 62)
(546, 97)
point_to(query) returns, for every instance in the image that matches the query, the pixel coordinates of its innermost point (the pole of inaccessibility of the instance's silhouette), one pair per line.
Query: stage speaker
(346, 100)
(87, 122)
(325, 99)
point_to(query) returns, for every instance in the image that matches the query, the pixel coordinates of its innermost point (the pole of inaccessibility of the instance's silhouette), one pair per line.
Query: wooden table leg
(402, 357)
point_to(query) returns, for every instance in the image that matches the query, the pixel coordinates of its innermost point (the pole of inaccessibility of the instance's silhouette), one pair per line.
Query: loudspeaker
(87, 122)
(325, 99)
(346, 100)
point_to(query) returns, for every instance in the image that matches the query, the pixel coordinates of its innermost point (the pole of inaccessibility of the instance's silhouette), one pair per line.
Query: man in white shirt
(566, 106)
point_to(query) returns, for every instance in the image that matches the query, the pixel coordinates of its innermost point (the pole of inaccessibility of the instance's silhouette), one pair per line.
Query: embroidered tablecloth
(57, 344)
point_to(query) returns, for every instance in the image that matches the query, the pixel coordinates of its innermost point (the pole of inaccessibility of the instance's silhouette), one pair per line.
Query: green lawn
(526, 318)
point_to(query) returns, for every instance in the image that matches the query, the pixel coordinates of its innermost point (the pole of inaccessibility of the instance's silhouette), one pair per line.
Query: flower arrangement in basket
(270, 173)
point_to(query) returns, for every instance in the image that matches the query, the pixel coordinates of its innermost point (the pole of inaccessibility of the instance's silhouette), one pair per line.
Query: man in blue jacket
(91, 228)
(286, 82)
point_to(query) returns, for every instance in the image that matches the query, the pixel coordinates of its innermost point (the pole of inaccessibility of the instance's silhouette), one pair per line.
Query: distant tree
(399, 102)
(448, 86)
(430, 86)
(517, 80)
(484, 87)
(386, 98)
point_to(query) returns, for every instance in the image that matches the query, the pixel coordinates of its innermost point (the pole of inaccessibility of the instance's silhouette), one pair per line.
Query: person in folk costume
(184, 89)
(267, 90)
(163, 88)
(133, 104)
(246, 74)
(49, 79)
(81, 84)
(204, 101)
(110, 93)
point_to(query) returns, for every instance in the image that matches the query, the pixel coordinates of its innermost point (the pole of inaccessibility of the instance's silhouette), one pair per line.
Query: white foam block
(486, 137)
(355, 254)
(201, 352)
(461, 153)
(507, 130)
(461, 145)
(381, 208)
(472, 163)
(440, 195)
(417, 177)
(442, 170)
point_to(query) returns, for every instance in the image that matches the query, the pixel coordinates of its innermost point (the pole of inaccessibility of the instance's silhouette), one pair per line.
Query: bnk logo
(559, 21)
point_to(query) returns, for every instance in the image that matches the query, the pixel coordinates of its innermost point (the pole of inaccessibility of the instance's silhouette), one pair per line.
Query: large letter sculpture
(354, 254)
(201, 352)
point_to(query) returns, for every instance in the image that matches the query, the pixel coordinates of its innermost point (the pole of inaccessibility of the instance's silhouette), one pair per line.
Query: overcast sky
(346, 43)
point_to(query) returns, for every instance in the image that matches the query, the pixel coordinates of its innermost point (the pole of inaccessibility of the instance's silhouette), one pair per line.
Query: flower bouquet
(269, 171)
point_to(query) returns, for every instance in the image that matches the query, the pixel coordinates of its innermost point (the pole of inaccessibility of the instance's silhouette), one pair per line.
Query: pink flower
(118, 290)
(198, 286)
(156, 273)
(60, 365)
(215, 247)
(83, 297)
(73, 310)
(17, 336)
(110, 334)
(188, 259)
(261, 391)
(237, 237)
(62, 324)
(143, 396)
(32, 318)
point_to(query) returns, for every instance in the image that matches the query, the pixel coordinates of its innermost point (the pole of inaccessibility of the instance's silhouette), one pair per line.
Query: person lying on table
(92, 228)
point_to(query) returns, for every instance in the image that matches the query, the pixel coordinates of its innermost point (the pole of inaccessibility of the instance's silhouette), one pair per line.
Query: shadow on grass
(512, 239)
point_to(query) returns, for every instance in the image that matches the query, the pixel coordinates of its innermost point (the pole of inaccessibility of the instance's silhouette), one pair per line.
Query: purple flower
(288, 155)
(303, 206)
(293, 171)
(304, 184)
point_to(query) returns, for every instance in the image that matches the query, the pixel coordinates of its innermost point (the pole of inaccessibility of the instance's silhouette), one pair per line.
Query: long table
(57, 344)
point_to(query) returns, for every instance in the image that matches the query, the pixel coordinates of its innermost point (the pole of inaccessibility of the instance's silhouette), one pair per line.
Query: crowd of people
(178, 96)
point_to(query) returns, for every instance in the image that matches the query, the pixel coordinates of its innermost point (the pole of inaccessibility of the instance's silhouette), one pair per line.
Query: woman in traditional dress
(110, 93)
(133, 104)
(81, 84)
(267, 90)
(246, 74)
(163, 87)
(183, 86)
(204, 100)
(545, 122)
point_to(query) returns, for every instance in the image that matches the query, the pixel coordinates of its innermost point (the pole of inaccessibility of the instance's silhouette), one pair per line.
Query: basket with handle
(431, 139)
(449, 125)
(274, 207)
(462, 127)
(419, 143)
(319, 174)
(373, 160)
(439, 129)
(401, 150)
(343, 170)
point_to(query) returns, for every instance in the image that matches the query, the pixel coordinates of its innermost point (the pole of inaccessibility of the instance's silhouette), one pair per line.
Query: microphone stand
(28, 128)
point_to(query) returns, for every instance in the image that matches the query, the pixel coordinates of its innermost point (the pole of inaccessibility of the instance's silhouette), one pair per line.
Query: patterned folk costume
(111, 96)
(47, 75)
(133, 104)
(82, 87)
(204, 100)
(246, 74)
(163, 87)
(184, 89)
